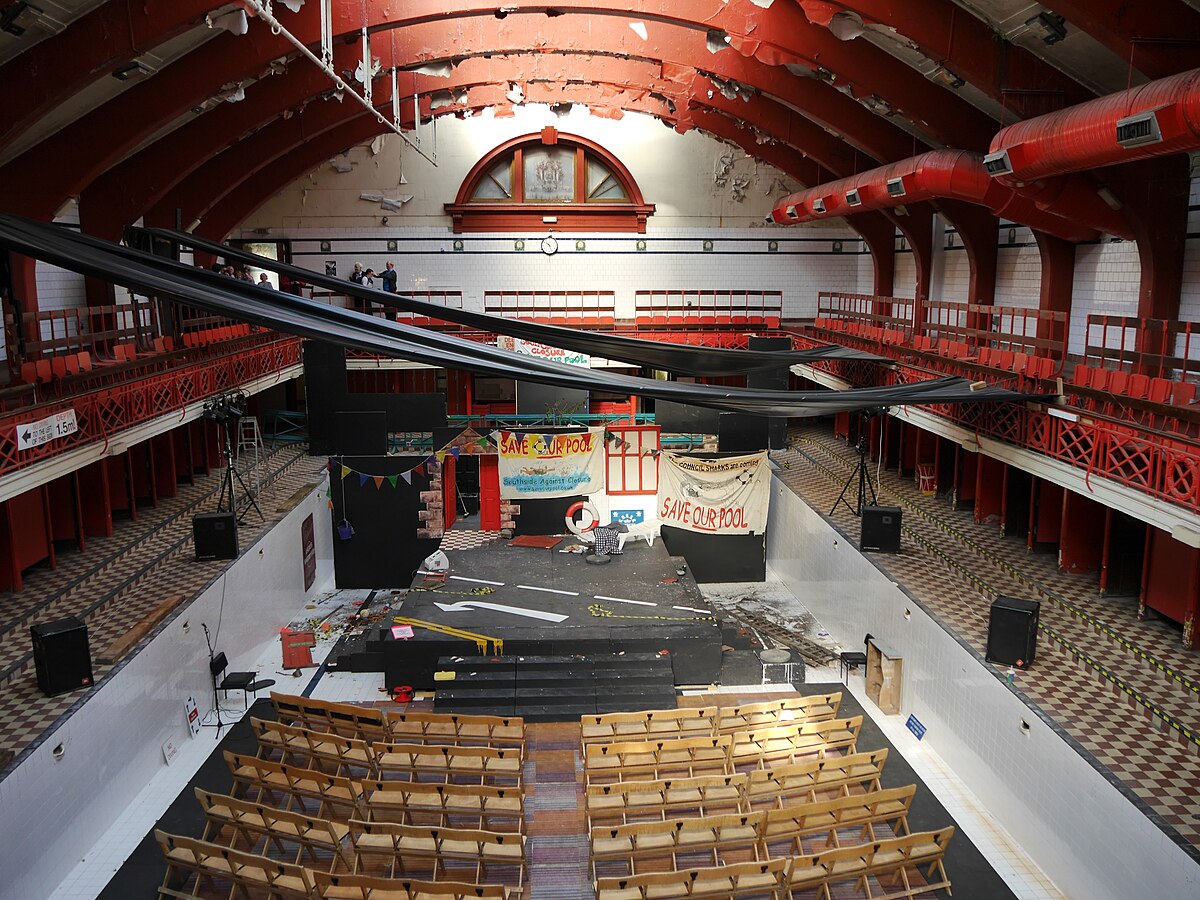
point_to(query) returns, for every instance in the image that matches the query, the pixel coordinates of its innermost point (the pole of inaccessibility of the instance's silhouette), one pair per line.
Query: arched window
(549, 176)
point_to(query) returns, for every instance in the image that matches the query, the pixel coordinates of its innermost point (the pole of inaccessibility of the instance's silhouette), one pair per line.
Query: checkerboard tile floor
(958, 583)
(131, 555)
(467, 539)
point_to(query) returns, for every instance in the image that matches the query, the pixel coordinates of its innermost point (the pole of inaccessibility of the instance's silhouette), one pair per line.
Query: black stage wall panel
(683, 418)
(547, 399)
(543, 516)
(360, 433)
(405, 412)
(740, 433)
(719, 557)
(324, 390)
(384, 550)
(776, 379)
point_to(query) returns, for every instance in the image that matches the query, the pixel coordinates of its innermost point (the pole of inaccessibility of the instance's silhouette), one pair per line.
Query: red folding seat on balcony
(58, 366)
(85, 361)
(676, 321)
(1183, 392)
(1160, 390)
(1003, 359)
(1101, 378)
(29, 372)
(772, 321)
(985, 356)
(72, 363)
(1139, 386)
(44, 373)
(1018, 362)
(1082, 376)
(1118, 382)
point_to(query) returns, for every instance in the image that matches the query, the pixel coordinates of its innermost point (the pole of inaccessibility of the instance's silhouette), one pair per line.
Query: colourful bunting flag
(346, 470)
(362, 478)
(378, 479)
(407, 476)
(392, 480)
(454, 451)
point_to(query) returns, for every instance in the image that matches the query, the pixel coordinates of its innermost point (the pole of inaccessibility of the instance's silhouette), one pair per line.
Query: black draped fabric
(639, 352)
(295, 315)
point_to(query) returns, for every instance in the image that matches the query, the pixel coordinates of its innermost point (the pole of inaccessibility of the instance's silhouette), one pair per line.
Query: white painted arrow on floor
(467, 605)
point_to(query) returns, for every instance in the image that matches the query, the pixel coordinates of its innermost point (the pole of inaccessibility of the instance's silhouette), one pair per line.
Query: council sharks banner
(714, 496)
(535, 466)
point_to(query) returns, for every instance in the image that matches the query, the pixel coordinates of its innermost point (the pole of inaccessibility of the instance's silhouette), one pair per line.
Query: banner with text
(543, 351)
(714, 496)
(535, 466)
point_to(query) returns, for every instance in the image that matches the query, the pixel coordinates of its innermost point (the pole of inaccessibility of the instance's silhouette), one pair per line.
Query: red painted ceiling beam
(89, 48)
(966, 45)
(64, 165)
(1159, 37)
(128, 189)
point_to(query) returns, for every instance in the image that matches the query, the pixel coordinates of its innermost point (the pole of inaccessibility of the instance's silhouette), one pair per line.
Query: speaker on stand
(61, 656)
(1012, 631)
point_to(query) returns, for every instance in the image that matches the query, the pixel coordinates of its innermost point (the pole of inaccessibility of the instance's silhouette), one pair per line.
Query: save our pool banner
(535, 466)
(714, 496)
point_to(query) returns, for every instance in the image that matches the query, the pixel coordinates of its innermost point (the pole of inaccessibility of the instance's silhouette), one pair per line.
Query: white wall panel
(52, 810)
(1082, 832)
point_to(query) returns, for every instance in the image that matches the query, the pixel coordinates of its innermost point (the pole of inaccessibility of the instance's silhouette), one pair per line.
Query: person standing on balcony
(265, 282)
(389, 278)
(357, 275)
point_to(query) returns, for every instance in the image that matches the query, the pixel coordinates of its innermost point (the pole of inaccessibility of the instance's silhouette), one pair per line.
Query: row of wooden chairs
(359, 846)
(340, 798)
(763, 834)
(224, 870)
(371, 724)
(723, 754)
(706, 720)
(639, 801)
(887, 861)
(379, 759)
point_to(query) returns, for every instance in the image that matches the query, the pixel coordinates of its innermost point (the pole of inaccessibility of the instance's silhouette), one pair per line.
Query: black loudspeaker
(1012, 632)
(61, 656)
(880, 529)
(215, 535)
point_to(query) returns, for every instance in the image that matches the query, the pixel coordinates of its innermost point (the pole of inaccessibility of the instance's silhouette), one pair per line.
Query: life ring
(581, 506)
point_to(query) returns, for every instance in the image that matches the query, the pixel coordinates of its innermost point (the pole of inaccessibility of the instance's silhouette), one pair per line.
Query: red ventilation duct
(951, 174)
(1156, 119)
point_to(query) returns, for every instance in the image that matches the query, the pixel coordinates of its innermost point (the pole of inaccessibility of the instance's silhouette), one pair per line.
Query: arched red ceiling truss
(60, 166)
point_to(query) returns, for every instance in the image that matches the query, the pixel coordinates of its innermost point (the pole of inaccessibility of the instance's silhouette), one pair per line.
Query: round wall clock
(549, 245)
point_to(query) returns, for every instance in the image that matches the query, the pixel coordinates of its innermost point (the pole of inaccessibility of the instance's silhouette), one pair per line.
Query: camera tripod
(864, 483)
(227, 484)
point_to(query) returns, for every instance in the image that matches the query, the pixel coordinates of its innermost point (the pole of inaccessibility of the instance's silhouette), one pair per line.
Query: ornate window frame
(518, 214)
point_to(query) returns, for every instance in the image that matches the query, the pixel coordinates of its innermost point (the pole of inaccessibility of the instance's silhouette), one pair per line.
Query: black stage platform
(634, 604)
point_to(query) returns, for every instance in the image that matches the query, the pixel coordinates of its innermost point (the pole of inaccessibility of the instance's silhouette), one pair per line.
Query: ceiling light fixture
(1049, 27)
(945, 78)
(234, 21)
(130, 71)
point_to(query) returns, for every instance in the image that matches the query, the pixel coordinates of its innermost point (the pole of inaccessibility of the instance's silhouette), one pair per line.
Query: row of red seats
(877, 333)
(1039, 367)
(206, 336)
(727, 339)
(573, 321)
(1136, 385)
(44, 371)
(703, 321)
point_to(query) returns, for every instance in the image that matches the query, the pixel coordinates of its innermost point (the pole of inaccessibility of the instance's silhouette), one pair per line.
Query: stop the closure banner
(714, 496)
(535, 466)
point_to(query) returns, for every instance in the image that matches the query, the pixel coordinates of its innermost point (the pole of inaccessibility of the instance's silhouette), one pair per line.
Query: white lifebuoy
(581, 506)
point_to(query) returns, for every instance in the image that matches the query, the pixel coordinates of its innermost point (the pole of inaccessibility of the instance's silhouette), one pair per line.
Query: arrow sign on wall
(467, 605)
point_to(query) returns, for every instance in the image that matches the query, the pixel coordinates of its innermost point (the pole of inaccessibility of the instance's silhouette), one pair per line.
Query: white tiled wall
(52, 811)
(1018, 270)
(955, 282)
(58, 288)
(1106, 283)
(674, 259)
(905, 279)
(1090, 840)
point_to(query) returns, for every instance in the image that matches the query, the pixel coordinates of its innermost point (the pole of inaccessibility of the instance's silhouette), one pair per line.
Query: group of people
(244, 274)
(387, 278)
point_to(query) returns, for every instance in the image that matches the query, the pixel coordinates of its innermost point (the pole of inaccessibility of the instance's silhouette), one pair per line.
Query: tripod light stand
(225, 411)
(861, 474)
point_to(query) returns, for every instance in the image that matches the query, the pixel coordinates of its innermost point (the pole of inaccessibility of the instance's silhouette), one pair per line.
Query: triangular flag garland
(431, 463)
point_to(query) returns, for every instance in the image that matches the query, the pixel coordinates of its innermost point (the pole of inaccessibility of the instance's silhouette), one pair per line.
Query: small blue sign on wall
(629, 516)
(915, 727)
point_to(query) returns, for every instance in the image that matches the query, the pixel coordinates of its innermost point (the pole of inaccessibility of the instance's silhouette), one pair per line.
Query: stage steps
(555, 688)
